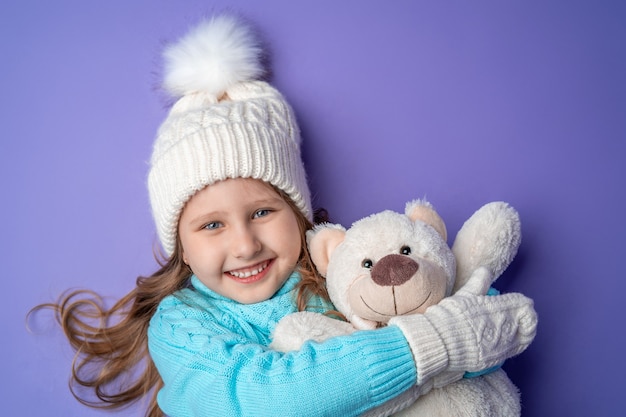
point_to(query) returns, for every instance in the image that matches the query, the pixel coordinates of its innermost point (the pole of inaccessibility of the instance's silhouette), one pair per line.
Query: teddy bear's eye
(367, 263)
(405, 250)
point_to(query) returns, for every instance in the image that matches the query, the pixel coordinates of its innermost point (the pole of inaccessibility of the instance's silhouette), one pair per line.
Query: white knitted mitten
(469, 332)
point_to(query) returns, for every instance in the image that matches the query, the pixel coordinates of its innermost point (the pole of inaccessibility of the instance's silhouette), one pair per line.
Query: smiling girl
(231, 205)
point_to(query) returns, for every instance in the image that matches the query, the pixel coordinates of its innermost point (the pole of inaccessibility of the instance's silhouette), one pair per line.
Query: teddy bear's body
(391, 264)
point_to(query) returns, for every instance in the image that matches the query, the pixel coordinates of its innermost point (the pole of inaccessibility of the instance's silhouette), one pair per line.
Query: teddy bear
(390, 264)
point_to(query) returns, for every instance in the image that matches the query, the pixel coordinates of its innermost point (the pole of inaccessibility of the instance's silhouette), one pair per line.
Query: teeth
(248, 274)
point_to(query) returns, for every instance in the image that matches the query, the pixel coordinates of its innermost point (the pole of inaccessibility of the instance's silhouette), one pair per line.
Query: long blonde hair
(111, 344)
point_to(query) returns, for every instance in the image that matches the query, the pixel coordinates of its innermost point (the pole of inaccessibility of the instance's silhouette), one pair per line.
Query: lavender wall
(523, 101)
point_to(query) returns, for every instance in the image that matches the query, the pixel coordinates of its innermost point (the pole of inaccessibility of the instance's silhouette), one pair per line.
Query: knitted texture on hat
(227, 127)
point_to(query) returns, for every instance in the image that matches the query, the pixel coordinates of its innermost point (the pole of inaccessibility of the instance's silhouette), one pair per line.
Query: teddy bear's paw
(478, 283)
(489, 238)
(295, 329)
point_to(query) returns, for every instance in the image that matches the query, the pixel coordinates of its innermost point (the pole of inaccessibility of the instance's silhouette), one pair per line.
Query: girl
(231, 205)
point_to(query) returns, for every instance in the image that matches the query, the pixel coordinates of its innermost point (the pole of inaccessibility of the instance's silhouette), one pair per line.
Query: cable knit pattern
(253, 134)
(212, 355)
(469, 333)
(226, 123)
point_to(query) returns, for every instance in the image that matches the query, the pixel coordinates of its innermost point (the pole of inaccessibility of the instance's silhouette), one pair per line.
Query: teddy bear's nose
(394, 270)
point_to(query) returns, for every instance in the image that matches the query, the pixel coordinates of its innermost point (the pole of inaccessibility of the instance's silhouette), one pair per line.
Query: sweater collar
(257, 320)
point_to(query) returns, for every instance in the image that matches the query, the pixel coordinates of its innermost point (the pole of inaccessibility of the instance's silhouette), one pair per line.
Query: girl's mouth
(250, 274)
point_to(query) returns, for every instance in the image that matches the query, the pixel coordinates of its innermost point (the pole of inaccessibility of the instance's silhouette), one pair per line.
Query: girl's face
(240, 238)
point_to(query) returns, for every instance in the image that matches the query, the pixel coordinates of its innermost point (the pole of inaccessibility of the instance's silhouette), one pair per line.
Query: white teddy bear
(391, 264)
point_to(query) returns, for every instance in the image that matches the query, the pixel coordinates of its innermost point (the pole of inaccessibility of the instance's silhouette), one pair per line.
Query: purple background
(522, 101)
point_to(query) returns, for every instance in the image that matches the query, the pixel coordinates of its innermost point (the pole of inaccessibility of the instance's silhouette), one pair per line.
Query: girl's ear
(422, 210)
(322, 241)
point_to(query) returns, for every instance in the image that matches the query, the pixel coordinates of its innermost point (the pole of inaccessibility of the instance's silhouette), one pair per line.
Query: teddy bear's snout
(394, 270)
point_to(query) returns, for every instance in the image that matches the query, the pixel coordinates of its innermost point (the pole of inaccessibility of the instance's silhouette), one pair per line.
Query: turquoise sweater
(213, 357)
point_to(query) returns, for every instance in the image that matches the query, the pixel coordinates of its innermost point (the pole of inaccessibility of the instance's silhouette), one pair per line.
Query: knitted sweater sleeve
(209, 370)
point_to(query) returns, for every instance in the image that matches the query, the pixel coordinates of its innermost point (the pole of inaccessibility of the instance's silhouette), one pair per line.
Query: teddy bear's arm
(489, 238)
(294, 329)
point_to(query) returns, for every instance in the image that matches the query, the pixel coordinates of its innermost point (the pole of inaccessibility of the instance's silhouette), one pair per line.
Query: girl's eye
(212, 225)
(261, 213)
(367, 263)
(405, 250)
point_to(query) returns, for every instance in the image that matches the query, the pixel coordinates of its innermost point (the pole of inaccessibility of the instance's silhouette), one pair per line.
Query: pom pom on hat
(225, 124)
(212, 57)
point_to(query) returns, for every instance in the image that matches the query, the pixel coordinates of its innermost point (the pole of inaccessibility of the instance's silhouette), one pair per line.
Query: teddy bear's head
(386, 264)
(392, 264)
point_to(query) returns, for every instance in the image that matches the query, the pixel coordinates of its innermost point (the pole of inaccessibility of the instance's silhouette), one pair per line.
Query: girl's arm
(209, 370)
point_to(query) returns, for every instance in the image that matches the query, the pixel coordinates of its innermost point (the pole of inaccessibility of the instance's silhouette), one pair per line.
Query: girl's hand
(469, 332)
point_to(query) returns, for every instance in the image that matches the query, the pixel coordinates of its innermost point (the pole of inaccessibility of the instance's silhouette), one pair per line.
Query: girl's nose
(245, 243)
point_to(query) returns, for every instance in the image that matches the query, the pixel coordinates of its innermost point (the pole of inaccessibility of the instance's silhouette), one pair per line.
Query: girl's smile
(250, 275)
(238, 238)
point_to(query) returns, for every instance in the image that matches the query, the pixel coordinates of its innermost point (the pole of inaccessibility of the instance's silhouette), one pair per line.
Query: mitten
(469, 332)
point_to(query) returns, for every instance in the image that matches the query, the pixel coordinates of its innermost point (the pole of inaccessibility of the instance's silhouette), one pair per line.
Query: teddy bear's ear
(322, 241)
(424, 211)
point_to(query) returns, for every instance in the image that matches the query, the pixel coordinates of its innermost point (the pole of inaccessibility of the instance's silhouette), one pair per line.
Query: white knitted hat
(225, 124)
